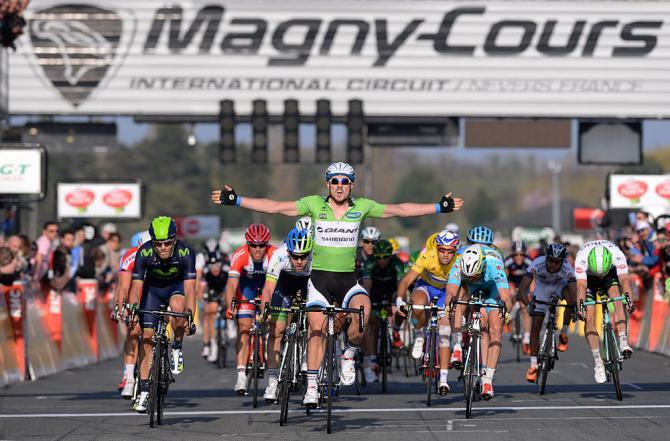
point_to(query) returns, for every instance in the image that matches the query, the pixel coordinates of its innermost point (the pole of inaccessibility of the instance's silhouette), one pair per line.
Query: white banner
(100, 200)
(20, 171)
(640, 191)
(429, 58)
(196, 227)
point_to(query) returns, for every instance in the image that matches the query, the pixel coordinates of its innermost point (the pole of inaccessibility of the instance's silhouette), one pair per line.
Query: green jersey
(335, 240)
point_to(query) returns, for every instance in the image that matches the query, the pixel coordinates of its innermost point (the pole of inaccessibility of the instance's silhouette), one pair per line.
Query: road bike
(384, 344)
(256, 360)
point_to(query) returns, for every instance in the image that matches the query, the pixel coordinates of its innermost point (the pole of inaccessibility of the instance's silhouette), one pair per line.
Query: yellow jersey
(431, 270)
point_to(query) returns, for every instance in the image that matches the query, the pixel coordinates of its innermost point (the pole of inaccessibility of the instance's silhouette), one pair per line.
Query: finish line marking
(377, 410)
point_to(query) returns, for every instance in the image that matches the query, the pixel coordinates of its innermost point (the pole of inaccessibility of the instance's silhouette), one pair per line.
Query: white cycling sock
(350, 351)
(596, 356)
(273, 374)
(444, 374)
(311, 378)
(458, 338)
(623, 340)
(526, 338)
(367, 360)
(533, 361)
(129, 371)
(241, 369)
(488, 376)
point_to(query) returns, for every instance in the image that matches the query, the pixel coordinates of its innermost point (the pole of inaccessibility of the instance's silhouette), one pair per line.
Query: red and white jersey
(582, 259)
(128, 260)
(242, 265)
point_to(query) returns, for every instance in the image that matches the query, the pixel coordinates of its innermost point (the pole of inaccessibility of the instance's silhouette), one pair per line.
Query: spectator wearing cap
(107, 229)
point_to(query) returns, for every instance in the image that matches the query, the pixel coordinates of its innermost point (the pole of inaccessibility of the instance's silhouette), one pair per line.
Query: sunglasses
(554, 261)
(299, 256)
(385, 256)
(368, 241)
(163, 243)
(337, 181)
(446, 249)
(257, 245)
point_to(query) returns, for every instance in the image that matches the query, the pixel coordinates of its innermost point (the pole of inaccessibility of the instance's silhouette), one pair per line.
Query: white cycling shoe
(241, 383)
(270, 395)
(142, 402)
(370, 375)
(311, 397)
(347, 371)
(626, 351)
(600, 374)
(177, 361)
(205, 351)
(417, 349)
(213, 352)
(128, 388)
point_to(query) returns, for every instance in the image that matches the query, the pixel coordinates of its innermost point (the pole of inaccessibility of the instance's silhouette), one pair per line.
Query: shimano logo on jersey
(354, 215)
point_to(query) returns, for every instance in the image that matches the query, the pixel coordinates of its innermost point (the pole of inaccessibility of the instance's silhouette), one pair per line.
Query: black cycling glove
(229, 197)
(446, 204)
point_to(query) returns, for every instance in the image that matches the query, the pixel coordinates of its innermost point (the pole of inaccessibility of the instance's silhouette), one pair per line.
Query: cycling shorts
(544, 293)
(248, 289)
(600, 285)
(327, 287)
(430, 291)
(287, 286)
(153, 297)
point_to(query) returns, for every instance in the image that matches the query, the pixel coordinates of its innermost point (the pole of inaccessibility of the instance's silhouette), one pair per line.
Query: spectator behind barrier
(62, 272)
(9, 267)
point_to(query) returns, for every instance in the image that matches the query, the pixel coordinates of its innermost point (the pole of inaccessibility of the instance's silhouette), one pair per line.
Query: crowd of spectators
(60, 255)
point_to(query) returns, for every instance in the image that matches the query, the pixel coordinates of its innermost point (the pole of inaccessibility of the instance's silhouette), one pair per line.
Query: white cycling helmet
(139, 238)
(340, 168)
(472, 263)
(304, 223)
(371, 233)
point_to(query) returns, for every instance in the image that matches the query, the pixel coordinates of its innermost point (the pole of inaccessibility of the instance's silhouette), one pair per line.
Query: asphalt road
(83, 404)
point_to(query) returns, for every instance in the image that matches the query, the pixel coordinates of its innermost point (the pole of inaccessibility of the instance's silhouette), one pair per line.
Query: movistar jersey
(335, 240)
(154, 271)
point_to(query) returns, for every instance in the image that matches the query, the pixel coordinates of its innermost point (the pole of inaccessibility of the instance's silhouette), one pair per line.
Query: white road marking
(634, 386)
(450, 425)
(343, 411)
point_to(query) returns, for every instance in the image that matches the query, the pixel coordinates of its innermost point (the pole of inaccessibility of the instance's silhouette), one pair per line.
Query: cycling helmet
(210, 245)
(162, 228)
(139, 238)
(482, 235)
(452, 227)
(304, 223)
(600, 260)
(557, 251)
(371, 233)
(447, 238)
(395, 244)
(340, 168)
(214, 257)
(383, 248)
(257, 233)
(299, 241)
(472, 263)
(519, 246)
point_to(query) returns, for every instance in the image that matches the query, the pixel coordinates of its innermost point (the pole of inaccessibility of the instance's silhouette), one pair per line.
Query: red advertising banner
(54, 315)
(15, 299)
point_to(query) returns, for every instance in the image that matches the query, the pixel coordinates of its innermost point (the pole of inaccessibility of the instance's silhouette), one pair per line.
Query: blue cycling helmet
(481, 234)
(299, 241)
(447, 238)
(139, 238)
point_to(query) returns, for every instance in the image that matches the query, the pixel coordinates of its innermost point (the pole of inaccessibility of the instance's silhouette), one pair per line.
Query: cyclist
(600, 267)
(484, 236)
(164, 274)
(553, 276)
(369, 236)
(337, 219)
(211, 289)
(287, 274)
(479, 269)
(432, 269)
(379, 278)
(517, 265)
(245, 278)
(120, 300)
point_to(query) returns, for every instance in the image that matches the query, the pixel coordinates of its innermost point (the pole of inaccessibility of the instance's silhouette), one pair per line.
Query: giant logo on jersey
(336, 234)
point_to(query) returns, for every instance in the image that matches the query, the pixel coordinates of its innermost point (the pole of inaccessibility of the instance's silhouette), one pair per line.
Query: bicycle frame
(384, 341)
(256, 357)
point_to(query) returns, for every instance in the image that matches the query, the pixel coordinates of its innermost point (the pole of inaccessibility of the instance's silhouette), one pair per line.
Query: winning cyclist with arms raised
(336, 220)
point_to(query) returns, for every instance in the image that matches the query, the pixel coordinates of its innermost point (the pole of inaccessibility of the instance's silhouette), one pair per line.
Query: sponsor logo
(294, 40)
(184, 252)
(80, 199)
(323, 215)
(147, 252)
(78, 46)
(165, 274)
(117, 198)
(336, 230)
(354, 215)
(579, 270)
(632, 190)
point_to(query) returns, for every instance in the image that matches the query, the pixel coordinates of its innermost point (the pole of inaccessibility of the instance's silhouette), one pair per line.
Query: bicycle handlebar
(476, 304)
(624, 298)
(332, 310)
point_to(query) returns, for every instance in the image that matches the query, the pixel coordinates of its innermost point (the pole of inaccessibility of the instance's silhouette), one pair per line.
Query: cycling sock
(564, 329)
(273, 374)
(241, 369)
(130, 371)
(458, 338)
(367, 360)
(444, 374)
(488, 376)
(176, 344)
(350, 351)
(596, 356)
(533, 361)
(311, 378)
(144, 385)
(526, 337)
(623, 340)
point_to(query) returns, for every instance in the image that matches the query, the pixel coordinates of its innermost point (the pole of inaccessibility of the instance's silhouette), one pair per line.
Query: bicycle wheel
(543, 361)
(221, 356)
(383, 354)
(285, 378)
(431, 364)
(254, 369)
(469, 380)
(330, 360)
(163, 384)
(612, 363)
(154, 379)
(517, 333)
